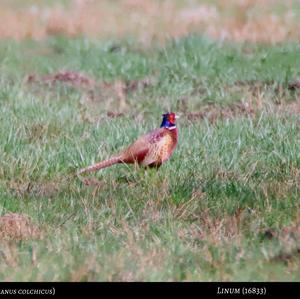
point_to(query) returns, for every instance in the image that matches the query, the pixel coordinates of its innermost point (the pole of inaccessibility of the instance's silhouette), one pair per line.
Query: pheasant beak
(177, 116)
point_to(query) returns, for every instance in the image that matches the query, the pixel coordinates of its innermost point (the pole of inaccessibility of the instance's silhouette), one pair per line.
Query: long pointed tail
(100, 165)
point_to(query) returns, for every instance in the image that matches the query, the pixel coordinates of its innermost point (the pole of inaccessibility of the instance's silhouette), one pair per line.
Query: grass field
(224, 208)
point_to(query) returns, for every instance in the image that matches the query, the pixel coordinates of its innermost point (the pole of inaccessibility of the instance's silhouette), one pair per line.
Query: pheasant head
(169, 121)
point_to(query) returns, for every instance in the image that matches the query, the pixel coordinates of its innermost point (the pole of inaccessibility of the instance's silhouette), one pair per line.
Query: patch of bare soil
(284, 103)
(80, 80)
(17, 226)
(289, 238)
(39, 189)
(68, 77)
(294, 85)
(93, 182)
(113, 95)
(213, 112)
(287, 258)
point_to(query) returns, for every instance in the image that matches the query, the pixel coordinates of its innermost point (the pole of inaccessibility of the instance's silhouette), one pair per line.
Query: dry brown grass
(148, 20)
(17, 226)
(111, 94)
(218, 231)
(288, 237)
(116, 94)
(212, 112)
(254, 100)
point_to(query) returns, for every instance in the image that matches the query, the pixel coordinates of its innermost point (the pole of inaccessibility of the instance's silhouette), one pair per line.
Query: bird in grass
(150, 150)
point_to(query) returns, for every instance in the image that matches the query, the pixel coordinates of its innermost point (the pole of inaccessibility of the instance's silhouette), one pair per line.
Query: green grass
(202, 216)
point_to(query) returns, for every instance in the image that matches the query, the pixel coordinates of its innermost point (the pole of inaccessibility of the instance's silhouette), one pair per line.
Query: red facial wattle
(172, 118)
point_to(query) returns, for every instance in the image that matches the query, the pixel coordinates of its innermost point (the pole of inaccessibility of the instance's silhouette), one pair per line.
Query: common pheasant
(151, 149)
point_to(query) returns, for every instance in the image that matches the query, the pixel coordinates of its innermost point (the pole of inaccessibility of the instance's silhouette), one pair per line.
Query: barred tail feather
(100, 165)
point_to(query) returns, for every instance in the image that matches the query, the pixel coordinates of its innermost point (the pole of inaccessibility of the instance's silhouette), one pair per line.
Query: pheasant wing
(141, 147)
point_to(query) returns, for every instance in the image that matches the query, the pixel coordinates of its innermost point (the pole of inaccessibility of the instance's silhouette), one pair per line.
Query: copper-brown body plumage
(151, 149)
